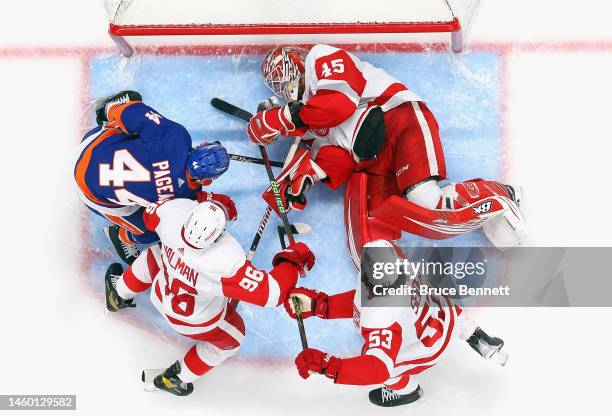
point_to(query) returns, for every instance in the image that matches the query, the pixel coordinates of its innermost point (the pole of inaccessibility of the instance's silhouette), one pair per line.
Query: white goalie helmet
(282, 69)
(205, 224)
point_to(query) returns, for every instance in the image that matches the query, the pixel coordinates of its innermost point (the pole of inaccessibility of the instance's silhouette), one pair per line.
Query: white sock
(124, 291)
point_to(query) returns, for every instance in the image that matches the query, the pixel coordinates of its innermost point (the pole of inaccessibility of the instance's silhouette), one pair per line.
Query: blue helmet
(207, 161)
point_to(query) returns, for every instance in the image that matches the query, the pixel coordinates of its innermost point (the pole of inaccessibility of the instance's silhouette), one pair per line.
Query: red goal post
(281, 17)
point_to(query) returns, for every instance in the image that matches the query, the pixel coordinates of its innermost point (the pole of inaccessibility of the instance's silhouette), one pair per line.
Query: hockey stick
(300, 321)
(246, 116)
(296, 228)
(266, 217)
(256, 160)
(231, 109)
(296, 302)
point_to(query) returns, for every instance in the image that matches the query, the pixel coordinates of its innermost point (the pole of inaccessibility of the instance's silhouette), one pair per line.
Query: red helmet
(283, 68)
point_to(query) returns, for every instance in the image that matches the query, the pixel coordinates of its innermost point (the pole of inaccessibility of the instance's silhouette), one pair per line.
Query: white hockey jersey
(331, 69)
(193, 286)
(407, 340)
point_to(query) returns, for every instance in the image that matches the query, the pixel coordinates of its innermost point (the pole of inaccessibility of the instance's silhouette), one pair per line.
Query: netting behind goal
(282, 17)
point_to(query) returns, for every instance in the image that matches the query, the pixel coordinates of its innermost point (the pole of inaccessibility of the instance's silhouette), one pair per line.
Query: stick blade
(300, 228)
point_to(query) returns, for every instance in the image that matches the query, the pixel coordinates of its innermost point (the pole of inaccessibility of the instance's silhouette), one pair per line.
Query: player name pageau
(424, 290)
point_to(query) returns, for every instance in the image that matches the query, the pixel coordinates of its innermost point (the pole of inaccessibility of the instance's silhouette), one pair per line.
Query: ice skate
(169, 381)
(122, 97)
(127, 252)
(386, 397)
(114, 302)
(490, 348)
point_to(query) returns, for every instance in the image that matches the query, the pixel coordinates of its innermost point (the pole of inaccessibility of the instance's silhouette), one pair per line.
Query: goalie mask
(283, 69)
(204, 226)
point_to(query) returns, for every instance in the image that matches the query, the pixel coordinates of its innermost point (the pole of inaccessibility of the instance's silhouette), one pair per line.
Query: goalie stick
(246, 116)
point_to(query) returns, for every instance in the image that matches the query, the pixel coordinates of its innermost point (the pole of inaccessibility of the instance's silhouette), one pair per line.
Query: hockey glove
(312, 302)
(224, 201)
(297, 253)
(267, 125)
(311, 361)
(294, 181)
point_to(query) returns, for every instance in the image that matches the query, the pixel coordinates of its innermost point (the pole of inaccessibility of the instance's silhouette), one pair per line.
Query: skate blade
(500, 357)
(147, 377)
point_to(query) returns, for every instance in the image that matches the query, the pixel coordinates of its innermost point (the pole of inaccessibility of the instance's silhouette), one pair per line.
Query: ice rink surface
(528, 102)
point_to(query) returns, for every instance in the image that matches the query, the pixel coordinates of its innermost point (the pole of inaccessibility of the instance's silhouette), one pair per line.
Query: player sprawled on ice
(192, 274)
(370, 131)
(135, 157)
(400, 342)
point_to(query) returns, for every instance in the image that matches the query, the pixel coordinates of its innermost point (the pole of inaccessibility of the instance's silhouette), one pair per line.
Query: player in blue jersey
(135, 157)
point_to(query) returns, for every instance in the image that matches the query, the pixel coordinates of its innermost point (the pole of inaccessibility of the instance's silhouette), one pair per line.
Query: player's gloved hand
(312, 361)
(294, 181)
(224, 201)
(298, 254)
(267, 125)
(312, 303)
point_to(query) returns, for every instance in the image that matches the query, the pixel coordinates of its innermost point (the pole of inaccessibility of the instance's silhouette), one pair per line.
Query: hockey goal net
(282, 17)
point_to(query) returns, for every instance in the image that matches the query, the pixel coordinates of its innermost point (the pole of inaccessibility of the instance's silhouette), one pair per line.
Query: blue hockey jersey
(137, 158)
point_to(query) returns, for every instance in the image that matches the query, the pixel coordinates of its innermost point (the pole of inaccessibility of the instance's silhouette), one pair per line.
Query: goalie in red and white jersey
(400, 341)
(192, 273)
(368, 129)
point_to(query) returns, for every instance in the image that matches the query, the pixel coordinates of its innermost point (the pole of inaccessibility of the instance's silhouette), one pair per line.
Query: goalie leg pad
(507, 230)
(360, 227)
(462, 208)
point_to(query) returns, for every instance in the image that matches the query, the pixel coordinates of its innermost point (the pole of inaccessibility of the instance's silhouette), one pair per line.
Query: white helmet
(385, 252)
(282, 69)
(205, 224)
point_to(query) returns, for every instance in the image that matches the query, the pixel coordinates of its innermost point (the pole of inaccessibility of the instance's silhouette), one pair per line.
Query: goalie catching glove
(293, 182)
(265, 126)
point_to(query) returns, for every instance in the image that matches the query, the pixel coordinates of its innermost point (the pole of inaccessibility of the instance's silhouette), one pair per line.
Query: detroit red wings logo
(320, 132)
